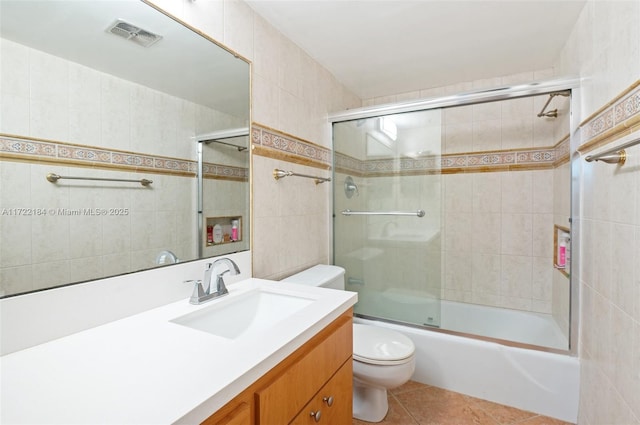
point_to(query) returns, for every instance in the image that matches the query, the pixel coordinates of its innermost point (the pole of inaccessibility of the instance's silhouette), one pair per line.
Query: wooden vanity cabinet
(237, 413)
(317, 374)
(333, 404)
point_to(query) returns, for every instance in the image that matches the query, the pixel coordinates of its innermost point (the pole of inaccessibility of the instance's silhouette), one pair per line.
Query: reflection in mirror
(80, 100)
(223, 192)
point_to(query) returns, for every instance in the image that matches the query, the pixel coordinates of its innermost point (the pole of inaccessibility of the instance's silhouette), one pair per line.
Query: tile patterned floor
(419, 404)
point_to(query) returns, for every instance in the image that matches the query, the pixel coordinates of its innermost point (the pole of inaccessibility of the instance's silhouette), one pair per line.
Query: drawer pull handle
(316, 415)
(328, 400)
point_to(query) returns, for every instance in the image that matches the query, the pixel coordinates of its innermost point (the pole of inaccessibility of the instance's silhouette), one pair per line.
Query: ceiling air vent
(132, 33)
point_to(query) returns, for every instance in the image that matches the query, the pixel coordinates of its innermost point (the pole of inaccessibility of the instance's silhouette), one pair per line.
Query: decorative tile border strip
(562, 151)
(272, 143)
(28, 147)
(521, 159)
(53, 152)
(225, 172)
(616, 119)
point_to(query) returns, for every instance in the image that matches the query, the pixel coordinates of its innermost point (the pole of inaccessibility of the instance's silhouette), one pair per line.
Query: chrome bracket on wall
(350, 188)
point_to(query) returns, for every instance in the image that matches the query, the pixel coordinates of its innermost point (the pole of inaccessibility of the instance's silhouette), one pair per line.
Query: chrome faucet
(202, 293)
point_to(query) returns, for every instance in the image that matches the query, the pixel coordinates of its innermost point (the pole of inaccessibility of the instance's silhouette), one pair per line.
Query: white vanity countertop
(146, 369)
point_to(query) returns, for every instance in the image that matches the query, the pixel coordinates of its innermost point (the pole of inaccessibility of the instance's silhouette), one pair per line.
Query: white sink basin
(248, 313)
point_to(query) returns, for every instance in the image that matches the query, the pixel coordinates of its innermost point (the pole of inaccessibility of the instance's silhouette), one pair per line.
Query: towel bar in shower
(419, 213)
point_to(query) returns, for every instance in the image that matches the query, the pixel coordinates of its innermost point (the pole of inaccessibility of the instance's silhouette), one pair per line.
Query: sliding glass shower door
(387, 214)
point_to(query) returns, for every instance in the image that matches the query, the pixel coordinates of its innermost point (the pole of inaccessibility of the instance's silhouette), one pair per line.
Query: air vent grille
(133, 33)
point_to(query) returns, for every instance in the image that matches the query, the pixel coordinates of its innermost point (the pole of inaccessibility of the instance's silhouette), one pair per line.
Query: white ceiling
(382, 47)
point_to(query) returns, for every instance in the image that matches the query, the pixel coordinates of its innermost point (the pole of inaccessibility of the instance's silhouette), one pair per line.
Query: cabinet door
(333, 404)
(282, 399)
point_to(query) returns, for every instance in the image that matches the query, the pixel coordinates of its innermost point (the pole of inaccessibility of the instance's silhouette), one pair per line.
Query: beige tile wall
(292, 94)
(498, 245)
(604, 47)
(291, 220)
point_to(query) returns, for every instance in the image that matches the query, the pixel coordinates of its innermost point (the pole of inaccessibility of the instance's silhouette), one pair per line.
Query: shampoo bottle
(234, 230)
(562, 254)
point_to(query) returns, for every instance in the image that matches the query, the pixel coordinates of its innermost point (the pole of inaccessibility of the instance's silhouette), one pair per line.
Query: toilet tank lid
(377, 344)
(316, 275)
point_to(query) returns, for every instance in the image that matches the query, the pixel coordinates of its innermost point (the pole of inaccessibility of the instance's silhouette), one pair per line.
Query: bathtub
(410, 306)
(538, 381)
(511, 325)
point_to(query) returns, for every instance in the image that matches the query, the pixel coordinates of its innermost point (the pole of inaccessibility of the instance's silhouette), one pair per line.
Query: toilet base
(369, 403)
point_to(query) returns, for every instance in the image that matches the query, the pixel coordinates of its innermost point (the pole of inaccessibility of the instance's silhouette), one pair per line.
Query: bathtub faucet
(202, 292)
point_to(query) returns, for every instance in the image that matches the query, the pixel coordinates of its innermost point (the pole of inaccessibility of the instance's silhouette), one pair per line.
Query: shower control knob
(328, 400)
(316, 415)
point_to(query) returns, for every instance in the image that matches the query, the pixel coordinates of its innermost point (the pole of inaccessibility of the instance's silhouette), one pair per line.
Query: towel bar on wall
(53, 178)
(280, 174)
(615, 155)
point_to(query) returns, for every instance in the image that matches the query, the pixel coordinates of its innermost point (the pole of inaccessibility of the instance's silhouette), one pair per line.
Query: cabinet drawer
(333, 404)
(281, 400)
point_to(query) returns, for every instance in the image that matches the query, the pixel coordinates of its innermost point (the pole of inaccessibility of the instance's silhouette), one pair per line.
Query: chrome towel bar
(615, 155)
(280, 174)
(53, 178)
(419, 213)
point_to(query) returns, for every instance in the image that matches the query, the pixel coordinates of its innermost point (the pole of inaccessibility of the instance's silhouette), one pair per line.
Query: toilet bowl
(383, 359)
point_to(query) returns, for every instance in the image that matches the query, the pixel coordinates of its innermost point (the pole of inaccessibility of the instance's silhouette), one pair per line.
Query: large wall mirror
(123, 143)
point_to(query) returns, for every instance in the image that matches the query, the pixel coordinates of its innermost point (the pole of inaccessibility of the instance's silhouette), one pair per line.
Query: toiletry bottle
(209, 234)
(562, 253)
(234, 230)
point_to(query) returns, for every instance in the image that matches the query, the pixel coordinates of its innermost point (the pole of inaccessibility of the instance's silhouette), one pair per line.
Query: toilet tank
(322, 275)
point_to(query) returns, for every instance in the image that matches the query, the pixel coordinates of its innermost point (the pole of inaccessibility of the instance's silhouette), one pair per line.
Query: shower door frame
(505, 93)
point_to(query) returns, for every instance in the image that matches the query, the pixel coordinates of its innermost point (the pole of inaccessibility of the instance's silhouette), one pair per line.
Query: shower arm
(553, 113)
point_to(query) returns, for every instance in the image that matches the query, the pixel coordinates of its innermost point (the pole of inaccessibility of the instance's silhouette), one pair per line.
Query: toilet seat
(379, 346)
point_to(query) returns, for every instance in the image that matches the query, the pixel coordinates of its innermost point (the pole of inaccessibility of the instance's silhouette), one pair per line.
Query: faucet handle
(221, 288)
(198, 291)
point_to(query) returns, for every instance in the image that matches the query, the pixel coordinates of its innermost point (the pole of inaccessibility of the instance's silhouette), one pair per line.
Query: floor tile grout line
(416, 422)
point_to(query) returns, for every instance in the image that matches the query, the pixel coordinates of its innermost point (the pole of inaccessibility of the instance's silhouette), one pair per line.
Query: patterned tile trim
(291, 145)
(562, 151)
(612, 120)
(218, 171)
(454, 163)
(68, 154)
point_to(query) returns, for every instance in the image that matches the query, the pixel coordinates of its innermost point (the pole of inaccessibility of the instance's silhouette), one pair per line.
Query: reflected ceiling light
(388, 128)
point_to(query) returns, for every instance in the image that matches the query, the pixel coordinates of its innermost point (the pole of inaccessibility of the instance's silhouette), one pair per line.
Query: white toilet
(382, 358)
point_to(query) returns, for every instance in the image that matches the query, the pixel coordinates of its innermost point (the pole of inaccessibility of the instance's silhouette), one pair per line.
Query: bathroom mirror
(107, 95)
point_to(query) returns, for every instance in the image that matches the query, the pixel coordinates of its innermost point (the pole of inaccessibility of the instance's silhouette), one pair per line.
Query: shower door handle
(419, 213)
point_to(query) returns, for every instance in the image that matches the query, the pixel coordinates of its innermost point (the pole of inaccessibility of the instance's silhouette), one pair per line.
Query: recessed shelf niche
(219, 230)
